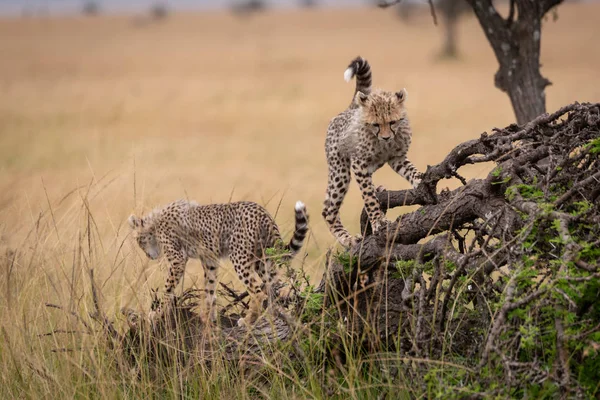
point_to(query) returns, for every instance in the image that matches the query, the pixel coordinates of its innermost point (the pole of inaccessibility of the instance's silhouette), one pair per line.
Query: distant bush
(159, 11)
(91, 8)
(248, 6)
(308, 3)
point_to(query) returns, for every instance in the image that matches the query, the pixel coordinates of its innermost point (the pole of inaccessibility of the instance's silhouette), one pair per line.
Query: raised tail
(300, 231)
(359, 68)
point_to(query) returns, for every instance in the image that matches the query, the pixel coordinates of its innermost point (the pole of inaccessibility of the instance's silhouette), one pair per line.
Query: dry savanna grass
(103, 117)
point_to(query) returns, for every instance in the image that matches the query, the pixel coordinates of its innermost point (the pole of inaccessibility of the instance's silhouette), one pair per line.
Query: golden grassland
(103, 117)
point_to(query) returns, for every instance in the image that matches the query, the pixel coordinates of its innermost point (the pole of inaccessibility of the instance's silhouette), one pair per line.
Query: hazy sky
(17, 7)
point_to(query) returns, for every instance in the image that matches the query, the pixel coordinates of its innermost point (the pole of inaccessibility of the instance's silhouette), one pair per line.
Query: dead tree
(534, 221)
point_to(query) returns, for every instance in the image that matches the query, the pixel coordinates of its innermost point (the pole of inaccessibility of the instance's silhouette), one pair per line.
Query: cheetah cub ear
(135, 222)
(401, 95)
(361, 99)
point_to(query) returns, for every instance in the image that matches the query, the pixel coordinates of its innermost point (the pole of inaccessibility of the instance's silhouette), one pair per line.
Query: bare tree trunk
(516, 44)
(451, 11)
(449, 49)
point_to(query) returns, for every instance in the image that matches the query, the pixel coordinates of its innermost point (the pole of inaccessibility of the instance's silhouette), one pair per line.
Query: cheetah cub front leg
(337, 187)
(177, 260)
(403, 167)
(255, 287)
(369, 195)
(211, 268)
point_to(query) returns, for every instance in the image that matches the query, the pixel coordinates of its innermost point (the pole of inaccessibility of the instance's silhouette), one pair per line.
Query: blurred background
(112, 107)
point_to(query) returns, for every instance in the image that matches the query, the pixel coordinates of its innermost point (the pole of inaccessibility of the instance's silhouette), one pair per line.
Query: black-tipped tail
(359, 68)
(301, 229)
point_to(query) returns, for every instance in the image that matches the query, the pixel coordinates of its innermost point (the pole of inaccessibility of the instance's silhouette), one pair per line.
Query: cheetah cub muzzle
(372, 131)
(241, 231)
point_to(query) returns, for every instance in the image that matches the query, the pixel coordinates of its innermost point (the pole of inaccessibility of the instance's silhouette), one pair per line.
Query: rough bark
(516, 44)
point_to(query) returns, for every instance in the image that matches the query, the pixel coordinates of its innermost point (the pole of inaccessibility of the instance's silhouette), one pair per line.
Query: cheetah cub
(372, 131)
(241, 231)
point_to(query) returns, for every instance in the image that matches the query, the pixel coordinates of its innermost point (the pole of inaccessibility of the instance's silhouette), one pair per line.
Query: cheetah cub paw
(417, 180)
(376, 226)
(356, 240)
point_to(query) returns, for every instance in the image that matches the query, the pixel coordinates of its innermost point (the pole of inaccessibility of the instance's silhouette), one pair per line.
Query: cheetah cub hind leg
(256, 284)
(254, 310)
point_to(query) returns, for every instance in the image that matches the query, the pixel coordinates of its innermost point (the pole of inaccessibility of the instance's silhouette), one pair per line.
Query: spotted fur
(372, 131)
(241, 231)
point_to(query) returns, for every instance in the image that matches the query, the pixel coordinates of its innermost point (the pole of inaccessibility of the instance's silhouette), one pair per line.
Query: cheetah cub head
(144, 234)
(383, 113)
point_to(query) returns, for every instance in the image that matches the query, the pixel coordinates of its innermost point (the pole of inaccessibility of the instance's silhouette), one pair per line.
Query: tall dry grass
(101, 117)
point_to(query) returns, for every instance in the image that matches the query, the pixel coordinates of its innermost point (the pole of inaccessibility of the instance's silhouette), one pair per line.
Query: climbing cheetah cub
(372, 131)
(241, 231)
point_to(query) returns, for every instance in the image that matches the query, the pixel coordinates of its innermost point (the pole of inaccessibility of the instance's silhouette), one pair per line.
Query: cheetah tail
(300, 230)
(359, 68)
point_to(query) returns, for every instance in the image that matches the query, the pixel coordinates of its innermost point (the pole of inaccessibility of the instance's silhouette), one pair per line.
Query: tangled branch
(520, 246)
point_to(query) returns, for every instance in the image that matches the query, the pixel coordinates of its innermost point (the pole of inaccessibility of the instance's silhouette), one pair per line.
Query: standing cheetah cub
(372, 131)
(241, 231)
